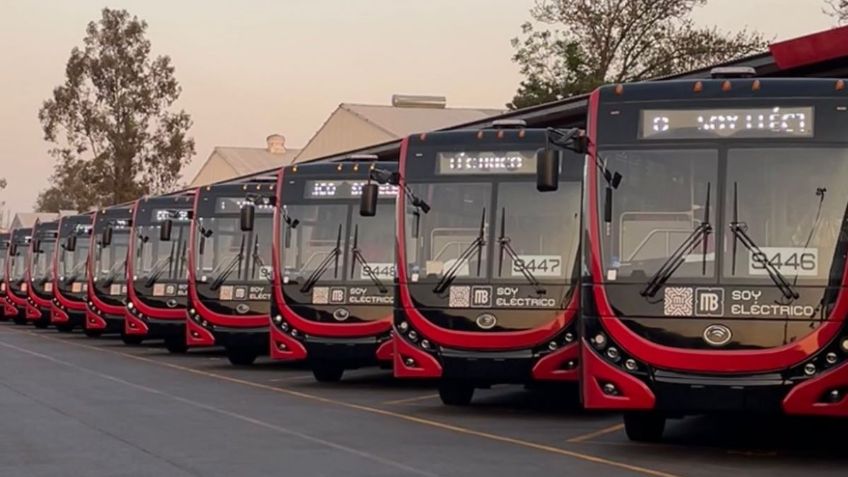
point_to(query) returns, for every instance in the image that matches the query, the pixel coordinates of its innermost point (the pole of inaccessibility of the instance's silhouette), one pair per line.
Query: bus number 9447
(539, 265)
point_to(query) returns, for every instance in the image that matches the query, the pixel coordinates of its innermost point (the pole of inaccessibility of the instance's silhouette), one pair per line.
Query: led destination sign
(232, 205)
(178, 215)
(342, 189)
(487, 162)
(773, 122)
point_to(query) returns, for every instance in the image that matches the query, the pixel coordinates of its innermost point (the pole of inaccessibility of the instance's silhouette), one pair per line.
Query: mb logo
(481, 296)
(709, 302)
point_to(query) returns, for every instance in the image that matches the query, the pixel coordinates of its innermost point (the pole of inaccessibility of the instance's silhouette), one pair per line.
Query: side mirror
(247, 217)
(13, 249)
(36, 245)
(416, 225)
(71, 243)
(368, 201)
(608, 205)
(287, 238)
(106, 237)
(547, 169)
(165, 230)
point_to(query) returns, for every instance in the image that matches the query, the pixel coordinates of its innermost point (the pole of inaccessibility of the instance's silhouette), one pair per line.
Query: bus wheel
(19, 321)
(327, 373)
(132, 339)
(93, 333)
(65, 328)
(455, 394)
(41, 324)
(644, 426)
(176, 345)
(241, 356)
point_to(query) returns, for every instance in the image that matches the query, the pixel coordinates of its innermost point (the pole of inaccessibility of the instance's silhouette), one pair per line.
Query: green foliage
(114, 135)
(592, 42)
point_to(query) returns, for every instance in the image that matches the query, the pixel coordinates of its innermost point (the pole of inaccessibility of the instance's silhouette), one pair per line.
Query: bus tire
(455, 394)
(327, 373)
(93, 333)
(644, 426)
(176, 345)
(65, 328)
(241, 356)
(19, 320)
(41, 324)
(132, 340)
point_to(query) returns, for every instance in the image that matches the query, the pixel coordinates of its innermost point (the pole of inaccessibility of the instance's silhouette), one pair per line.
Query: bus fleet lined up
(684, 254)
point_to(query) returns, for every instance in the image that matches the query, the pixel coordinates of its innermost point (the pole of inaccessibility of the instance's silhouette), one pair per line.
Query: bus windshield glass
(18, 263)
(72, 263)
(111, 261)
(230, 255)
(469, 235)
(42, 261)
(786, 203)
(325, 236)
(158, 260)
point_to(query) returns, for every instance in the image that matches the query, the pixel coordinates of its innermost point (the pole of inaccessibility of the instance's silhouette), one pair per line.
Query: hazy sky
(252, 68)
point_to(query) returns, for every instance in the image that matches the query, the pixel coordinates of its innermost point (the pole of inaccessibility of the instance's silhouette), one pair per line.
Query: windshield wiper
(476, 246)
(357, 257)
(111, 276)
(700, 234)
(506, 246)
(158, 268)
(257, 258)
(219, 280)
(740, 234)
(322, 267)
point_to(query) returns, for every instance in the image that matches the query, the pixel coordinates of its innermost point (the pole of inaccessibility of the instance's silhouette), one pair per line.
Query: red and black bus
(39, 272)
(7, 310)
(70, 284)
(107, 274)
(488, 265)
(157, 270)
(334, 269)
(717, 250)
(15, 279)
(230, 268)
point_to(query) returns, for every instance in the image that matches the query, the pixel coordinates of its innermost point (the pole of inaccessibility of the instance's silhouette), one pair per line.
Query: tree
(838, 9)
(114, 135)
(609, 41)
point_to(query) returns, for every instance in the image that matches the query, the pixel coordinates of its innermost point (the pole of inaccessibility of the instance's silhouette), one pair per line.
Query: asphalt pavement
(72, 405)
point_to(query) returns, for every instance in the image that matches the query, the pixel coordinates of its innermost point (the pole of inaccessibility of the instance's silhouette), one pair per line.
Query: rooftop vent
(276, 144)
(418, 101)
(723, 72)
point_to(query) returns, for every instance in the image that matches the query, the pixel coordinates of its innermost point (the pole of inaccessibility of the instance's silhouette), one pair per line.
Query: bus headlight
(809, 369)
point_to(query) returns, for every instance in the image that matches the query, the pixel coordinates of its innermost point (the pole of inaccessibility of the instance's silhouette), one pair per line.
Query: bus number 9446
(787, 260)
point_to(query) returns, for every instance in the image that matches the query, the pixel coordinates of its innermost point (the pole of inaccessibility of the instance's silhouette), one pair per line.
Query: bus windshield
(230, 255)
(18, 263)
(72, 264)
(790, 210)
(533, 232)
(42, 260)
(111, 261)
(158, 260)
(323, 242)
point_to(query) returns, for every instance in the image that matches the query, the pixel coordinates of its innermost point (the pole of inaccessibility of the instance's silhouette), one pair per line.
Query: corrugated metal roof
(27, 219)
(245, 160)
(402, 121)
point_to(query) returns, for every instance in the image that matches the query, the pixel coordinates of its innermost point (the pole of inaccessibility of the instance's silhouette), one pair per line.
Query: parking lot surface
(72, 405)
